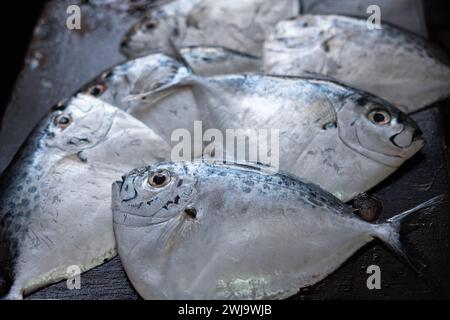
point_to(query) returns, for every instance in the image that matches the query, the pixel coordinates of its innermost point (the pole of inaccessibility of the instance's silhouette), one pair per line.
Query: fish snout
(124, 44)
(407, 137)
(116, 187)
(126, 189)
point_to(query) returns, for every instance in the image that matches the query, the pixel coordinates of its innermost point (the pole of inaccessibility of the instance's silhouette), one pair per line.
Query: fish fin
(389, 232)
(181, 78)
(175, 53)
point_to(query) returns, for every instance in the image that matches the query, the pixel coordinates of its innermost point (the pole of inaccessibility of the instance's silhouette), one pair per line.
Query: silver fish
(407, 14)
(157, 70)
(394, 64)
(238, 25)
(213, 231)
(55, 203)
(343, 139)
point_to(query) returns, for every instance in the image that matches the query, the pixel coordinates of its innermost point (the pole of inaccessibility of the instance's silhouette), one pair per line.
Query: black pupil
(378, 117)
(191, 212)
(150, 25)
(63, 120)
(159, 179)
(95, 91)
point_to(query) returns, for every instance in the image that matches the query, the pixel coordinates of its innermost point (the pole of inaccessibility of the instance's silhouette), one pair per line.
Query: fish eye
(96, 90)
(159, 179)
(379, 117)
(149, 25)
(63, 120)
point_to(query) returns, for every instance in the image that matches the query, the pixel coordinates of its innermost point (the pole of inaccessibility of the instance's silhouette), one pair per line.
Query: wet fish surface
(343, 139)
(55, 203)
(238, 25)
(154, 71)
(406, 14)
(394, 64)
(205, 230)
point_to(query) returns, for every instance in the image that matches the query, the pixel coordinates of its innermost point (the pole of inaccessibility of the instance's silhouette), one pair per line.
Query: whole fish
(213, 231)
(55, 197)
(156, 70)
(393, 64)
(343, 139)
(238, 25)
(151, 34)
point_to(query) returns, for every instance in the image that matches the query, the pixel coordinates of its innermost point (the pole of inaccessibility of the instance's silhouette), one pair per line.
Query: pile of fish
(218, 227)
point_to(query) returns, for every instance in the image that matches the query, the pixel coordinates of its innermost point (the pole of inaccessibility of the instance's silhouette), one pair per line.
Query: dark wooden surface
(60, 61)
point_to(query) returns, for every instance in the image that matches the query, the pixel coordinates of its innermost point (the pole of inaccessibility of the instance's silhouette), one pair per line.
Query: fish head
(378, 130)
(156, 193)
(134, 77)
(79, 124)
(148, 36)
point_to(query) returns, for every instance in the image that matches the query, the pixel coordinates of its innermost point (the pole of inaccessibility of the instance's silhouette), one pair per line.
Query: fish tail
(389, 232)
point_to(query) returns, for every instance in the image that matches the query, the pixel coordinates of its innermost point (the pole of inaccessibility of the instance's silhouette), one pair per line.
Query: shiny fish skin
(55, 208)
(326, 134)
(157, 70)
(216, 231)
(235, 24)
(394, 64)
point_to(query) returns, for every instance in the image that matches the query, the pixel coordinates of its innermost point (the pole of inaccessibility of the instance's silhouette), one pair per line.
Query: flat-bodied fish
(394, 64)
(234, 24)
(157, 70)
(343, 139)
(55, 197)
(212, 231)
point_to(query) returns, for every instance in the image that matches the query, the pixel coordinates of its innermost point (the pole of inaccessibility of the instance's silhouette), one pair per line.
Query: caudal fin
(389, 232)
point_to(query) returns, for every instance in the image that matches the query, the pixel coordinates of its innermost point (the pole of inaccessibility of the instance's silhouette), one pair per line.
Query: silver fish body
(393, 64)
(215, 231)
(157, 70)
(406, 14)
(238, 25)
(55, 196)
(343, 139)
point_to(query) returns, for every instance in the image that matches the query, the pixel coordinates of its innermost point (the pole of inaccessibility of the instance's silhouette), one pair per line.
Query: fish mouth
(116, 188)
(407, 138)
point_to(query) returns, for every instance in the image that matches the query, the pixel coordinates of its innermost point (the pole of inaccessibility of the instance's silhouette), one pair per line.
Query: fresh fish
(340, 138)
(151, 34)
(213, 231)
(394, 64)
(238, 25)
(55, 197)
(406, 14)
(157, 70)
